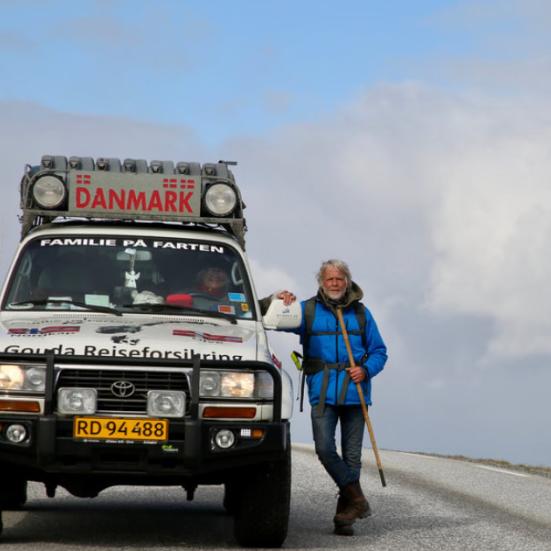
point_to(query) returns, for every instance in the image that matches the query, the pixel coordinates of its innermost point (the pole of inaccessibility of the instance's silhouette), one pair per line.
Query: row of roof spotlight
(50, 192)
(52, 162)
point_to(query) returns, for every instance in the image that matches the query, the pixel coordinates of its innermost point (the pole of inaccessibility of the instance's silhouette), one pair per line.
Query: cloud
(116, 38)
(501, 45)
(109, 38)
(494, 234)
(277, 101)
(30, 131)
(502, 76)
(439, 201)
(15, 42)
(490, 15)
(100, 31)
(269, 279)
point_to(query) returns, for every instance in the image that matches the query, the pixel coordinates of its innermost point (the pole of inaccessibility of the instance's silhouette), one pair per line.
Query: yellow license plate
(108, 428)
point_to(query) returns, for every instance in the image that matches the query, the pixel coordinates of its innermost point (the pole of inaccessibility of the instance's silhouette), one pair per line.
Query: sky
(411, 139)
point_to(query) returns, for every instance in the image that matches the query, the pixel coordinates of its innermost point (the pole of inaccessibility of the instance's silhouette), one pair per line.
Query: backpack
(309, 314)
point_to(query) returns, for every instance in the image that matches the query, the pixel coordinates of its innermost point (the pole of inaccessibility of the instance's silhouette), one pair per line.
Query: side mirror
(280, 316)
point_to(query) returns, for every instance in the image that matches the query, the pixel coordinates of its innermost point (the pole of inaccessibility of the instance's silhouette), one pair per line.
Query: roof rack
(106, 188)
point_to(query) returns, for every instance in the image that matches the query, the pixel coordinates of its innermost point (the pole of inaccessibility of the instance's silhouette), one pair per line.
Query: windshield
(130, 275)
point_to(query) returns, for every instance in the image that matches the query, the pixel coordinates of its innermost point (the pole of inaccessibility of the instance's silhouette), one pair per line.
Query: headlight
(31, 378)
(49, 192)
(226, 384)
(237, 385)
(220, 199)
(209, 384)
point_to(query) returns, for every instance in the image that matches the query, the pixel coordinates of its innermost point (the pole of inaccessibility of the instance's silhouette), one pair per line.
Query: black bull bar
(196, 363)
(196, 461)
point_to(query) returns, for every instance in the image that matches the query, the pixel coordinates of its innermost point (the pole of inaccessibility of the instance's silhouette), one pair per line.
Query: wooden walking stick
(362, 400)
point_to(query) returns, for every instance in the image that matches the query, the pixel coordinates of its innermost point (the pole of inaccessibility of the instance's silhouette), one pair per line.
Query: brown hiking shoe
(341, 504)
(356, 506)
(343, 530)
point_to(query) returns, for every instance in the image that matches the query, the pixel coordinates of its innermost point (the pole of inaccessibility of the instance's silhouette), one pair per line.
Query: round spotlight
(49, 192)
(75, 163)
(224, 439)
(102, 164)
(129, 165)
(156, 166)
(16, 433)
(182, 168)
(220, 199)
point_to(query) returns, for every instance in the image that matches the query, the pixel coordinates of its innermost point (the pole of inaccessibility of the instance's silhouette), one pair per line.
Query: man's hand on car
(286, 296)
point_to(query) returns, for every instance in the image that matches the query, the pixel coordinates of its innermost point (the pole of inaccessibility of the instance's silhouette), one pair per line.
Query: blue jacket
(329, 347)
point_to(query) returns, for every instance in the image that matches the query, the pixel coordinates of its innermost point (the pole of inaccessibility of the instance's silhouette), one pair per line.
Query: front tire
(231, 497)
(262, 510)
(13, 494)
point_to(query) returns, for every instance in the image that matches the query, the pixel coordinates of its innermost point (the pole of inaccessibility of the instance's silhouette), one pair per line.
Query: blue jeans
(346, 469)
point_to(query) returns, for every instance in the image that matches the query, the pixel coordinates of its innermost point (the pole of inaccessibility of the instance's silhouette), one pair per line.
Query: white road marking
(420, 455)
(504, 471)
(487, 467)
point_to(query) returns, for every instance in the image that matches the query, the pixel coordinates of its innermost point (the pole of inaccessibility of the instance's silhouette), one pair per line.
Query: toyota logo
(123, 389)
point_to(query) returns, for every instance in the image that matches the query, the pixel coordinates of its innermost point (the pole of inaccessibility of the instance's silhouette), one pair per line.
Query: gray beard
(335, 300)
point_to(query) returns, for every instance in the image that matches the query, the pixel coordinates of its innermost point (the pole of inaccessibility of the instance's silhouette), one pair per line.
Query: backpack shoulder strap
(309, 313)
(359, 309)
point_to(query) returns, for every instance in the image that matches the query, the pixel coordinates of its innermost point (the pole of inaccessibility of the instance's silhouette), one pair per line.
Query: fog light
(76, 400)
(16, 433)
(166, 403)
(224, 439)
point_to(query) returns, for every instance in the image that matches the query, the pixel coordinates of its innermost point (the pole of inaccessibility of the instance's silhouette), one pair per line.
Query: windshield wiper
(91, 307)
(187, 309)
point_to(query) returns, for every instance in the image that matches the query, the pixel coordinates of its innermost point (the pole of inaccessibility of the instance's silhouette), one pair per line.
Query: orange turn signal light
(257, 434)
(229, 413)
(26, 406)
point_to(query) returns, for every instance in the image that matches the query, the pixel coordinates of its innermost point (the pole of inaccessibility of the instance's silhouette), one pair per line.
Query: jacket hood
(353, 294)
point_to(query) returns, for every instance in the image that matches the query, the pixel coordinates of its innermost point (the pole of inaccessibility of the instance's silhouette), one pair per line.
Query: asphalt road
(429, 503)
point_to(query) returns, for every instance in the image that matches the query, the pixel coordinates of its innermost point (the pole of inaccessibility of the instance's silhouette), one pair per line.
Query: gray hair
(341, 265)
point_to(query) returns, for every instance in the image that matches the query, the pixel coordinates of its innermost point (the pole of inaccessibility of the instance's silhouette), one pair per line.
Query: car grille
(102, 379)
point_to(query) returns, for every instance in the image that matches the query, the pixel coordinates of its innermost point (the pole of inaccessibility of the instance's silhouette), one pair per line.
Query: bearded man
(327, 367)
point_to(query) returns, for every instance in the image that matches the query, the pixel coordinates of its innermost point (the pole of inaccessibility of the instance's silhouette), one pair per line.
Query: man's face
(333, 283)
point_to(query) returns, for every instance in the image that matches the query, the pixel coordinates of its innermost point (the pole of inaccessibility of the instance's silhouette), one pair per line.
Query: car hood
(128, 336)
